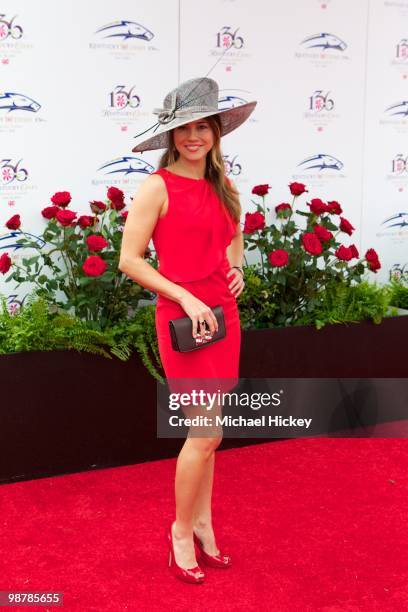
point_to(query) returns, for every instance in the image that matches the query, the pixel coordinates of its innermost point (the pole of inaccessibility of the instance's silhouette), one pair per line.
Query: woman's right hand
(198, 311)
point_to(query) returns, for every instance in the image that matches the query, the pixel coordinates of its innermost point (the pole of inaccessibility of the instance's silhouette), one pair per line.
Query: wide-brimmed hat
(192, 100)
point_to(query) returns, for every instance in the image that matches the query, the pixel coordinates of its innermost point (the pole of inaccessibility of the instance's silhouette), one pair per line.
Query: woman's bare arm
(140, 223)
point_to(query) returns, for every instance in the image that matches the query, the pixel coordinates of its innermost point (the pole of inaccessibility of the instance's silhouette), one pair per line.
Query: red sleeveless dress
(190, 243)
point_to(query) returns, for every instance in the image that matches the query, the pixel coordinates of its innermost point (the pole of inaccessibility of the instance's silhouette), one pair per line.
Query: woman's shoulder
(154, 186)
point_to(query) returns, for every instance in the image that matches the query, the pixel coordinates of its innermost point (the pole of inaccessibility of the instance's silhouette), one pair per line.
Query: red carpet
(312, 524)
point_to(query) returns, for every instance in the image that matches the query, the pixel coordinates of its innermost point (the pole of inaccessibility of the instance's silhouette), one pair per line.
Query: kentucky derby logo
(119, 98)
(232, 167)
(320, 109)
(395, 116)
(10, 171)
(230, 46)
(125, 30)
(399, 164)
(398, 220)
(124, 39)
(319, 169)
(226, 38)
(320, 101)
(9, 29)
(402, 50)
(400, 59)
(123, 107)
(12, 101)
(323, 49)
(321, 162)
(398, 176)
(127, 165)
(9, 241)
(399, 271)
(400, 109)
(324, 41)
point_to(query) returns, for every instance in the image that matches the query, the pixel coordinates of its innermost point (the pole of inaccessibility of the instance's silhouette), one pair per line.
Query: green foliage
(399, 292)
(300, 268)
(261, 304)
(139, 333)
(343, 303)
(257, 303)
(37, 326)
(100, 294)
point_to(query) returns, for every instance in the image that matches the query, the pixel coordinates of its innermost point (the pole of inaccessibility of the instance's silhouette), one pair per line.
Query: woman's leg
(202, 512)
(193, 478)
(202, 522)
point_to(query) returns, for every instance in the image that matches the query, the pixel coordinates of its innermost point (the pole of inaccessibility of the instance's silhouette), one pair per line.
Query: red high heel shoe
(193, 575)
(222, 560)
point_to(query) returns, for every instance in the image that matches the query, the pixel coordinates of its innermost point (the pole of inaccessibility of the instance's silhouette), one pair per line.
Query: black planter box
(66, 411)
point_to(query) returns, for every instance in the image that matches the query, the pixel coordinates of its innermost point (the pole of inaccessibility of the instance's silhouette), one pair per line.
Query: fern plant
(138, 333)
(342, 303)
(37, 326)
(399, 292)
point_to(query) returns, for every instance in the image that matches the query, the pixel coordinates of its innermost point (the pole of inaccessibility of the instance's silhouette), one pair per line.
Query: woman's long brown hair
(214, 171)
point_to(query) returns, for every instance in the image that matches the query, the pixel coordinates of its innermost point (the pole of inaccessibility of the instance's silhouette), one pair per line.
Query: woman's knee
(206, 445)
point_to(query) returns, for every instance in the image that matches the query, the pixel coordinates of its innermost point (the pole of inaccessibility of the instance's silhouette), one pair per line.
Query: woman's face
(193, 140)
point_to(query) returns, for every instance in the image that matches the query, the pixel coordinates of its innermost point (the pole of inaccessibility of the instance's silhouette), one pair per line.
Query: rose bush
(298, 265)
(79, 256)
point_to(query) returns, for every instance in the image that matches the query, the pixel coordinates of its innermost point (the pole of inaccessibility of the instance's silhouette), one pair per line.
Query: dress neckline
(187, 178)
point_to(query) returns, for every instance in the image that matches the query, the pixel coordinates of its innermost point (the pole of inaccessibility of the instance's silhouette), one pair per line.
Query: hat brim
(231, 118)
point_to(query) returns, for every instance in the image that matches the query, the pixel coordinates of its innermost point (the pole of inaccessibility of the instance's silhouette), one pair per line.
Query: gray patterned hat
(192, 100)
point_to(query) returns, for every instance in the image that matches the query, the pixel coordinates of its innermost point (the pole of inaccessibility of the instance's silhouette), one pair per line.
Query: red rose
(344, 253)
(61, 198)
(371, 255)
(117, 204)
(97, 206)
(148, 252)
(5, 263)
(124, 214)
(261, 190)
(317, 206)
(86, 221)
(65, 217)
(322, 233)
(96, 243)
(49, 212)
(281, 208)
(297, 189)
(374, 265)
(94, 265)
(253, 221)
(278, 258)
(311, 243)
(334, 208)
(14, 222)
(372, 260)
(346, 226)
(354, 250)
(115, 195)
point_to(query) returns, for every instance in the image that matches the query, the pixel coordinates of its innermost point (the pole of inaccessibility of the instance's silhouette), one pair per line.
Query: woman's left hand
(237, 283)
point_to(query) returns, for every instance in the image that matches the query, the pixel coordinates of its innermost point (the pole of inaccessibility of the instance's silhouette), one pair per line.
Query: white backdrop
(330, 77)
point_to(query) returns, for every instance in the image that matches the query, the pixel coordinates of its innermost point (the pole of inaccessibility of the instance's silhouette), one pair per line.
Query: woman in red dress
(191, 211)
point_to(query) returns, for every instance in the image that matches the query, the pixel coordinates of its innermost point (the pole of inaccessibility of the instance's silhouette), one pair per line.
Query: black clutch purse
(181, 332)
